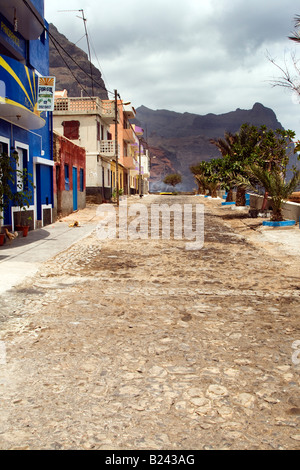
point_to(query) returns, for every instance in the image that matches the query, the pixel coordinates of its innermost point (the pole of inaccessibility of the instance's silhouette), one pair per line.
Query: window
(81, 176)
(67, 178)
(71, 129)
(3, 147)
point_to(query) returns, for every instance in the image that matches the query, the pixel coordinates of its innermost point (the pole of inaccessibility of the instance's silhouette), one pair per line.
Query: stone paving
(141, 344)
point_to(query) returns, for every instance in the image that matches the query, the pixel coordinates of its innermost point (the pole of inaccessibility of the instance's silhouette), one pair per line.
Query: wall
(88, 138)
(67, 153)
(22, 127)
(291, 210)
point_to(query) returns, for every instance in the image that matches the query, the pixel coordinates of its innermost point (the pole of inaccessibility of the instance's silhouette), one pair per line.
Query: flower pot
(2, 238)
(22, 228)
(25, 230)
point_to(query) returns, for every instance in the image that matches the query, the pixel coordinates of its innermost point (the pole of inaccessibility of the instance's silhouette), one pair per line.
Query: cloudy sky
(198, 56)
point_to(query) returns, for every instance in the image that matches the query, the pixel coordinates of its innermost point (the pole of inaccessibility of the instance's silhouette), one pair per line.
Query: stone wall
(291, 210)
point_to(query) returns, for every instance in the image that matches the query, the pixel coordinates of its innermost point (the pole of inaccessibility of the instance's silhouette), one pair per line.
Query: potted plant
(114, 194)
(2, 238)
(277, 188)
(10, 180)
(6, 182)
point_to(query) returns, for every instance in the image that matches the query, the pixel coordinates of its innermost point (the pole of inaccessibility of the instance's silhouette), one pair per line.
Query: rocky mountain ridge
(176, 140)
(183, 139)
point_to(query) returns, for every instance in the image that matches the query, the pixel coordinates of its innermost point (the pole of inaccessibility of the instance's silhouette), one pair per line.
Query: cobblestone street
(141, 344)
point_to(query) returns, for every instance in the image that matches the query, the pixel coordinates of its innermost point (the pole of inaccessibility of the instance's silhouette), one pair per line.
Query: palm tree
(201, 180)
(296, 36)
(237, 150)
(276, 186)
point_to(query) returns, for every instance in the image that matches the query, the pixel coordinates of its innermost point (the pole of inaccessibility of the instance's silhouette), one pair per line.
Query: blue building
(24, 57)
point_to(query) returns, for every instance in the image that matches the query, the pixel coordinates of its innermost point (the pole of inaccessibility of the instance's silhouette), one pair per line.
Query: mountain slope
(65, 79)
(184, 138)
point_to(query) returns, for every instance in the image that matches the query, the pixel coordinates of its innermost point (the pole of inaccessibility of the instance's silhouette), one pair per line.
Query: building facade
(127, 141)
(86, 122)
(24, 131)
(104, 129)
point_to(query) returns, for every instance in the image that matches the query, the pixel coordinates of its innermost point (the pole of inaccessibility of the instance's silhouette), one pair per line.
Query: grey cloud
(246, 26)
(188, 55)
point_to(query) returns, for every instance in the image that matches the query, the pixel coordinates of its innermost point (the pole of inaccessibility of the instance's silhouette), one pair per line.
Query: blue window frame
(67, 178)
(81, 180)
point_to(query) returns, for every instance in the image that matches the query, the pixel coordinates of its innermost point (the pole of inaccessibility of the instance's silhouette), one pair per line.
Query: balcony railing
(108, 109)
(86, 105)
(108, 148)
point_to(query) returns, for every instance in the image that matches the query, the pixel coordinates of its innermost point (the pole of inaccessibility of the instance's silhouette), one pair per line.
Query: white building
(87, 121)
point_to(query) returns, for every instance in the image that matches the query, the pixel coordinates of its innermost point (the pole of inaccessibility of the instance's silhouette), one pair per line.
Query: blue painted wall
(39, 5)
(39, 141)
(39, 53)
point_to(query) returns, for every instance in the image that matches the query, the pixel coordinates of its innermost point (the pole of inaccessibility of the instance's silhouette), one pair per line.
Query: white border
(43, 161)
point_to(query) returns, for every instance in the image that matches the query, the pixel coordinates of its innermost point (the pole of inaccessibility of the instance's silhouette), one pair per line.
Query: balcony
(129, 111)
(108, 148)
(83, 105)
(108, 111)
(128, 136)
(130, 163)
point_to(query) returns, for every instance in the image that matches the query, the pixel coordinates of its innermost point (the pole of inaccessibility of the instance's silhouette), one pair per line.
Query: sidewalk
(282, 240)
(23, 256)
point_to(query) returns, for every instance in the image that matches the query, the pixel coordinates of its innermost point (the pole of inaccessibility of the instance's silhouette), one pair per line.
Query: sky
(196, 56)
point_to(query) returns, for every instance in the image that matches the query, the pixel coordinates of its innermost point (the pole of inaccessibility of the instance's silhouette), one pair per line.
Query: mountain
(176, 140)
(183, 139)
(68, 74)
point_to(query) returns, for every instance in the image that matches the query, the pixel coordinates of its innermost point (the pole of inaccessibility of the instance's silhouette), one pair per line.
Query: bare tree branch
(287, 80)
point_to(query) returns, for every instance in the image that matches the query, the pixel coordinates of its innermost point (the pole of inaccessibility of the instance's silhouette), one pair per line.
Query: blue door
(75, 189)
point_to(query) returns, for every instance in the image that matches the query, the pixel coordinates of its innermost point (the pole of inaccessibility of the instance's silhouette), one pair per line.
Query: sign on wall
(46, 91)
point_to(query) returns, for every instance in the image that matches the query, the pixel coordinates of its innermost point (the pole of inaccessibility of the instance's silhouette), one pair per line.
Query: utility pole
(140, 169)
(116, 146)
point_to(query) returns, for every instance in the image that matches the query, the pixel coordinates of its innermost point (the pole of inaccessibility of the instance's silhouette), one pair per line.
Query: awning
(19, 115)
(18, 95)
(29, 18)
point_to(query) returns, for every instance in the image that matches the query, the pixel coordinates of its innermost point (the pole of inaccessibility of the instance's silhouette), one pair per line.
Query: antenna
(87, 39)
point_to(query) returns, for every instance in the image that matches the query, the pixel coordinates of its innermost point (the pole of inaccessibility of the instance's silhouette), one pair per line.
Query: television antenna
(83, 18)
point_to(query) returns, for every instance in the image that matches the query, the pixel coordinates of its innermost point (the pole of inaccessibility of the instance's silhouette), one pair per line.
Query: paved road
(142, 344)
